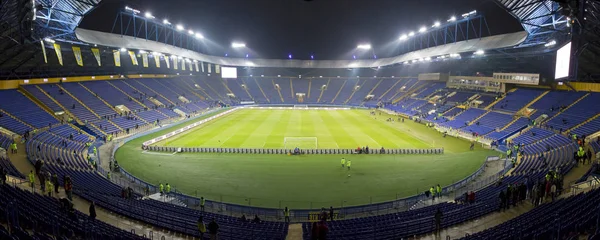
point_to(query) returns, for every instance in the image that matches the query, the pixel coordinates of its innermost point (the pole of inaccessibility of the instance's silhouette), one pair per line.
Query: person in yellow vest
(286, 214)
(31, 179)
(201, 227)
(161, 187)
(202, 202)
(349, 164)
(438, 190)
(14, 147)
(168, 188)
(49, 187)
(432, 192)
(343, 162)
(95, 150)
(108, 175)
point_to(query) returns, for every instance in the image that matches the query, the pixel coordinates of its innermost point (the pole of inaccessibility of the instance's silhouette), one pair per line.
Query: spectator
(438, 220)
(502, 200)
(69, 188)
(55, 182)
(213, 229)
(553, 191)
(331, 213)
(92, 211)
(202, 227)
(286, 214)
(323, 230)
(256, 219)
(314, 231)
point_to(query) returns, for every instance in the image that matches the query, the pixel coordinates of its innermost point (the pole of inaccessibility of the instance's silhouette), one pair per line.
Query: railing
(290, 151)
(344, 208)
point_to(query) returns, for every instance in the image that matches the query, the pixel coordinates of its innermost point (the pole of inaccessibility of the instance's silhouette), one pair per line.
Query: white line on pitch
(157, 153)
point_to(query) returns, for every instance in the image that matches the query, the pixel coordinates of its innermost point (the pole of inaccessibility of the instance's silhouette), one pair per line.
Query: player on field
(343, 162)
(349, 163)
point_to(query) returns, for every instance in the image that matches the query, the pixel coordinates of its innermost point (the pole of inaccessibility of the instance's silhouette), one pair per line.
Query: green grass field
(308, 180)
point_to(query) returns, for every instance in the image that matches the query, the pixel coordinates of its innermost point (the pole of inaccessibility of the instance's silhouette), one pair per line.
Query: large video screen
(563, 61)
(228, 72)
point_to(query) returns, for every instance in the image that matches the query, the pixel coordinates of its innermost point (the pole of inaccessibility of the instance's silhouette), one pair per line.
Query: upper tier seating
(550, 103)
(514, 101)
(113, 96)
(489, 122)
(89, 99)
(19, 106)
(578, 113)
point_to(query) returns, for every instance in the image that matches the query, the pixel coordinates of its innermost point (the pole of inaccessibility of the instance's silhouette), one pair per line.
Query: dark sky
(329, 29)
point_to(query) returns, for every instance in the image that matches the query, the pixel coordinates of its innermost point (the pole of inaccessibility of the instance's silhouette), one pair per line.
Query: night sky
(327, 29)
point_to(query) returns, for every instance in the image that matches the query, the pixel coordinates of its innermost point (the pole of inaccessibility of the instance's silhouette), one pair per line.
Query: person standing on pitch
(343, 162)
(349, 163)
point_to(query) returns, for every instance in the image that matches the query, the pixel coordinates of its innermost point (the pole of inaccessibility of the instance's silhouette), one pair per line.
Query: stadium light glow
(290, 56)
(179, 27)
(454, 55)
(471, 13)
(165, 21)
(238, 45)
(199, 36)
(312, 56)
(404, 63)
(422, 29)
(262, 75)
(123, 49)
(149, 15)
(452, 19)
(354, 56)
(427, 59)
(49, 40)
(550, 44)
(142, 51)
(191, 32)
(403, 37)
(134, 11)
(479, 52)
(364, 46)
(410, 34)
(436, 24)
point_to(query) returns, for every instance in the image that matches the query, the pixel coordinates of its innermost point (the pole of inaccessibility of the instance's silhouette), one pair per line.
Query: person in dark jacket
(213, 229)
(93, 211)
(438, 220)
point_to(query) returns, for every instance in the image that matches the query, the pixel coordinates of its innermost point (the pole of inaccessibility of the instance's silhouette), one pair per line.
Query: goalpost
(300, 142)
(300, 106)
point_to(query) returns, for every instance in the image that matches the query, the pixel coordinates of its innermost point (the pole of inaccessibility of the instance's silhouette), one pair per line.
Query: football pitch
(306, 181)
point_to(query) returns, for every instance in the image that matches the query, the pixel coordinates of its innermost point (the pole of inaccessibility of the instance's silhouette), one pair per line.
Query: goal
(300, 106)
(300, 142)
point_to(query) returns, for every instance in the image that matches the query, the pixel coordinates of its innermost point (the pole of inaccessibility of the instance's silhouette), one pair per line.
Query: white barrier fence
(286, 151)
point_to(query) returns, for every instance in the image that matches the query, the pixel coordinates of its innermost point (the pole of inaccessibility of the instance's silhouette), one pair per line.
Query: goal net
(300, 142)
(300, 106)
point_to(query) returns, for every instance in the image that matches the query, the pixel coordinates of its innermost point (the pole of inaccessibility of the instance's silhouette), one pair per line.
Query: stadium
(339, 119)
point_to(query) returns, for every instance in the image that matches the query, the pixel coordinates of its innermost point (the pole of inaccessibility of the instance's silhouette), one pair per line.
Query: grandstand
(431, 125)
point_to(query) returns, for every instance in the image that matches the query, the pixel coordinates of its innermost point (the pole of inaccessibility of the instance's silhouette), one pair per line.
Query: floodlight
(454, 55)
(199, 36)
(479, 52)
(290, 56)
(312, 56)
(436, 24)
(49, 40)
(364, 46)
(123, 49)
(134, 11)
(422, 29)
(247, 55)
(142, 51)
(166, 22)
(550, 44)
(179, 27)
(238, 45)
(149, 15)
(403, 37)
(278, 75)
(191, 32)
(410, 34)
(156, 53)
(262, 75)
(404, 63)
(428, 59)
(452, 19)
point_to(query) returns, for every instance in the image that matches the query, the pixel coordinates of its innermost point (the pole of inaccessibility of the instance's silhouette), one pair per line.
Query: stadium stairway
(412, 89)
(533, 101)
(79, 101)
(98, 96)
(152, 90)
(126, 94)
(510, 123)
(338, 92)
(36, 101)
(323, 90)
(69, 113)
(584, 122)
(569, 106)
(278, 88)
(480, 116)
(498, 100)
(388, 90)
